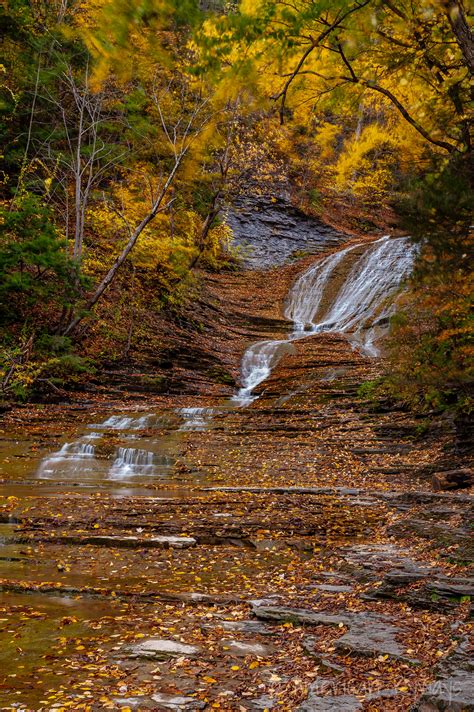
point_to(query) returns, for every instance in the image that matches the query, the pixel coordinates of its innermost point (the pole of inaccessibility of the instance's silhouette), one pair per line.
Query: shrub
(34, 266)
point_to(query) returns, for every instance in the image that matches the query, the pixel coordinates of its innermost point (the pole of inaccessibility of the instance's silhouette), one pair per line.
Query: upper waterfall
(361, 306)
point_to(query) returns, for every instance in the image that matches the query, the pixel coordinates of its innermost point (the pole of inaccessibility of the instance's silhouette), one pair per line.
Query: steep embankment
(195, 348)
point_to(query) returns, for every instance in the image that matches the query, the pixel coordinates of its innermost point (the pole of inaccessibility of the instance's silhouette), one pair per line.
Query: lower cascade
(131, 460)
(360, 308)
(117, 422)
(71, 456)
(196, 418)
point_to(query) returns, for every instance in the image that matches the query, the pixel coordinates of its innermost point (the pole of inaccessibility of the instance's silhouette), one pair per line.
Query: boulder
(452, 694)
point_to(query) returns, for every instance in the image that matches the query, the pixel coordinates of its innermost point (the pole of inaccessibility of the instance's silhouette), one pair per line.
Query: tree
(34, 268)
(82, 148)
(416, 56)
(179, 136)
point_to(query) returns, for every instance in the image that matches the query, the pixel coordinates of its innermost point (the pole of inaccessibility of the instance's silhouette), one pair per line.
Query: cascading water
(305, 296)
(361, 307)
(257, 364)
(130, 461)
(196, 418)
(70, 459)
(372, 280)
(118, 422)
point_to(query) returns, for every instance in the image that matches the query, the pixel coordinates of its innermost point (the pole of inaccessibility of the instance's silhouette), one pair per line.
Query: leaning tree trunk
(111, 274)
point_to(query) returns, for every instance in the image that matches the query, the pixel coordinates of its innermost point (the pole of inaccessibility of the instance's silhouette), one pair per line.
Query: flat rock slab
(300, 616)
(235, 647)
(340, 703)
(252, 627)
(332, 588)
(440, 594)
(160, 649)
(262, 703)
(452, 587)
(383, 695)
(309, 646)
(368, 634)
(374, 557)
(404, 578)
(459, 661)
(452, 694)
(331, 575)
(174, 702)
(347, 491)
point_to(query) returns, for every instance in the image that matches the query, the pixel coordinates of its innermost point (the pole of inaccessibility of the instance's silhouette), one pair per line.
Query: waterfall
(372, 280)
(118, 422)
(68, 460)
(361, 308)
(305, 296)
(257, 364)
(130, 461)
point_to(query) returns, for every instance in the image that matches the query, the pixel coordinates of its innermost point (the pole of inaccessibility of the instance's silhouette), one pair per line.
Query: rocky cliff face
(269, 232)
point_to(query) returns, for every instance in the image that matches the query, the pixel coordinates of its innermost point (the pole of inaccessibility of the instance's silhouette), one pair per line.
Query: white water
(257, 364)
(373, 279)
(118, 422)
(80, 461)
(305, 296)
(69, 460)
(361, 308)
(196, 419)
(132, 461)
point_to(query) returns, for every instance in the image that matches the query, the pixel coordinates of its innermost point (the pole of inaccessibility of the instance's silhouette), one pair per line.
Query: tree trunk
(462, 31)
(77, 254)
(111, 274)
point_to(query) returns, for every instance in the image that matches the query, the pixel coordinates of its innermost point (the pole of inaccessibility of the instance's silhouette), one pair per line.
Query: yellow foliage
(365, 162)
(326, 139)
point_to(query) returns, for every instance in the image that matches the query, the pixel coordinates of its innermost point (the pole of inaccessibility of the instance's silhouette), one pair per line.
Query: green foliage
(437, 211)
(53, 344)
(432, 346)
(67, 367)
(154, 384)
(422, 428)
(370, 390)
(34, 266)
(26, 372)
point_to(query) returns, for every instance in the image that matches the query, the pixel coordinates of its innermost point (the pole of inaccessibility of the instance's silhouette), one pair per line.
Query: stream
(170, 521)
